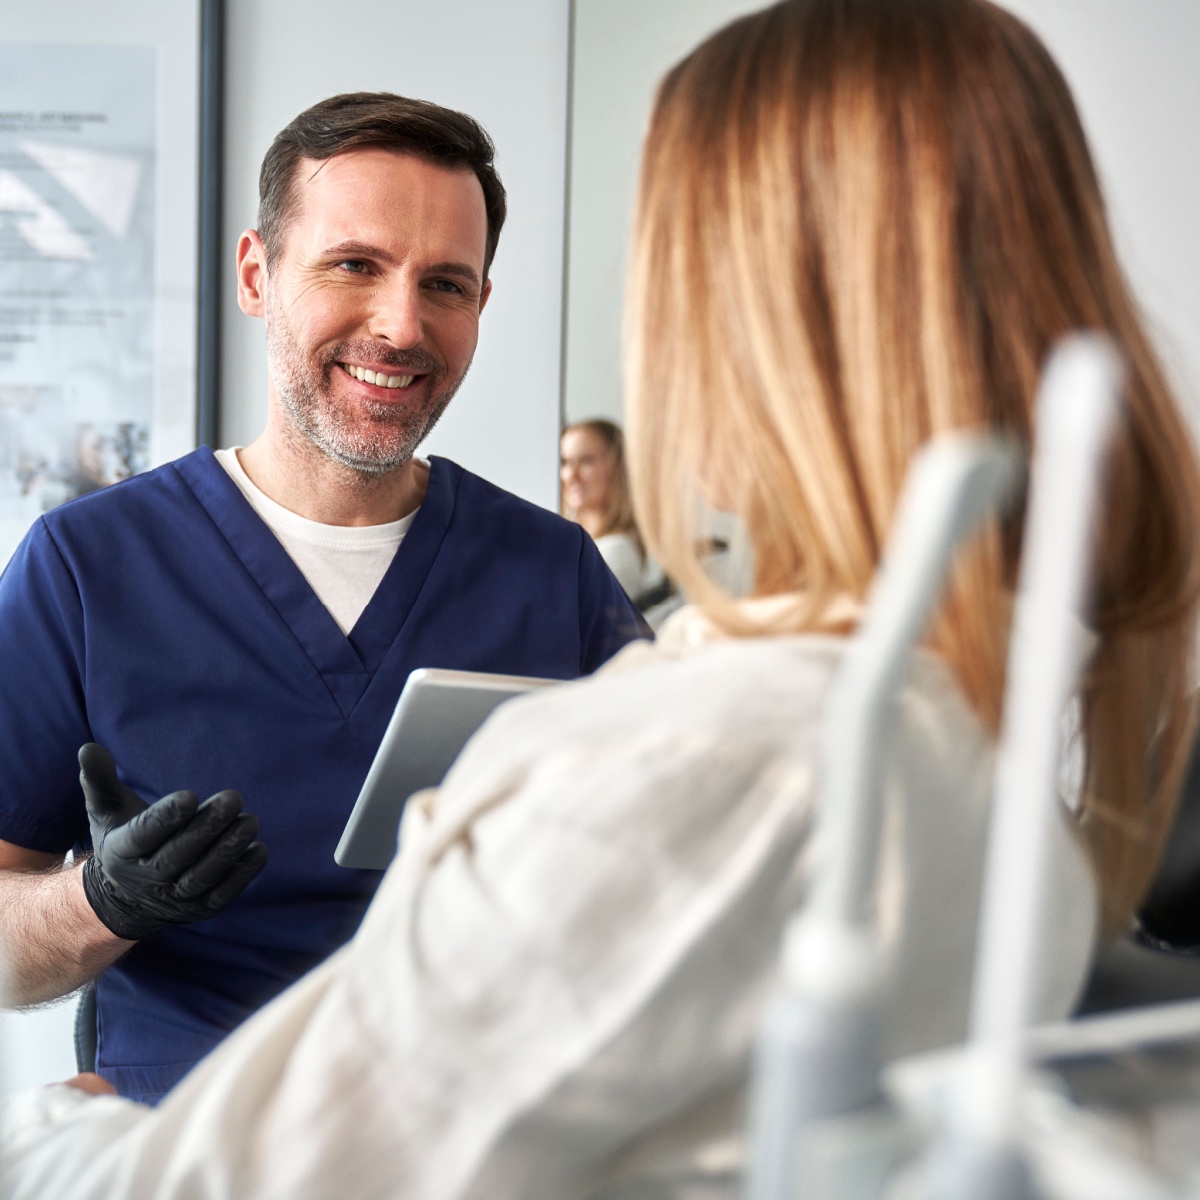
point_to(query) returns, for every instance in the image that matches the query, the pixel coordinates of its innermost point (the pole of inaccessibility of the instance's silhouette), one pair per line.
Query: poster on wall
(77, 228)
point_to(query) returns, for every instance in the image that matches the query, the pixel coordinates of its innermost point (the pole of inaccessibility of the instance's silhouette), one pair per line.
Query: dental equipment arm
(1078, 406)
(818, 1053)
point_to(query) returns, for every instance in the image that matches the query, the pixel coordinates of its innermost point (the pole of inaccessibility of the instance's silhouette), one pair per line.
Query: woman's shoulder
(714, 693)
(627, 560)
(694, 723)
(661, 690)
(616, 541)
(633, 753)
(619, 549)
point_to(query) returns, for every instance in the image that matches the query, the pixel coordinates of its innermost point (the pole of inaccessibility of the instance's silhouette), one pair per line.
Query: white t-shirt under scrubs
(343, 564)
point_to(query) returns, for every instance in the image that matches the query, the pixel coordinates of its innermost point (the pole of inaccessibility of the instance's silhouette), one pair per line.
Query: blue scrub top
(163, 619)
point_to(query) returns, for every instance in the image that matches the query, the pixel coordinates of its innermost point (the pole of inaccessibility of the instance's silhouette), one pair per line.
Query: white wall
(505, 64)
(1131, 63)
(37, 1046)
(1132, 67)
(621, 49)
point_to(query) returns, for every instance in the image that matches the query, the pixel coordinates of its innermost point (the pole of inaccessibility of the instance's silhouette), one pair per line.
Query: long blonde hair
(862, 223)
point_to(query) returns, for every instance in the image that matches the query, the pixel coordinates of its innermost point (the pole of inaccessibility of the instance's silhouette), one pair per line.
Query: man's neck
(286, 466)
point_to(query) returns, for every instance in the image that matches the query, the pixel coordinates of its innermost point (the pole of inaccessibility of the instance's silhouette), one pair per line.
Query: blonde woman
(595, 493)
(861, 222)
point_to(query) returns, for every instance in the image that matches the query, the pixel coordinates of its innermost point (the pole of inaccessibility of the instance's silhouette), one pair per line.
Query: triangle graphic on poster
(43, 227)
(105, 184)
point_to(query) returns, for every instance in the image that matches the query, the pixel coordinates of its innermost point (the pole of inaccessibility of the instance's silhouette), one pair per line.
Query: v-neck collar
(379, 624)
(345, 664)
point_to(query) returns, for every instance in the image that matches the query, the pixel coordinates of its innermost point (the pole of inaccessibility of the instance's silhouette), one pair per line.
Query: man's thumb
(108, 799)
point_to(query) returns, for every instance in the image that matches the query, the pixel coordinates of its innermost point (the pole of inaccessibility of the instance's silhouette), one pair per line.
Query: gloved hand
(168, 863)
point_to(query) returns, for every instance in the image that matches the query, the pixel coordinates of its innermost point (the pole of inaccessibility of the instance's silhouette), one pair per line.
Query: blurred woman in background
(861, 223)
(595, 492)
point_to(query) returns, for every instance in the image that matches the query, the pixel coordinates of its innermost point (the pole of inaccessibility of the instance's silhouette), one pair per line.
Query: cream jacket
(555, 991)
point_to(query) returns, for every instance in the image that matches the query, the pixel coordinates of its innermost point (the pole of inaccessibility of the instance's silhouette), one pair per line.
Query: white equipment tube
(953, 484)
(1078, 406)
(818, 1053)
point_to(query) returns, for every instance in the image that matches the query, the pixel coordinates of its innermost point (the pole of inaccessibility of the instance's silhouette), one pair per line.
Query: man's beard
(390, 433)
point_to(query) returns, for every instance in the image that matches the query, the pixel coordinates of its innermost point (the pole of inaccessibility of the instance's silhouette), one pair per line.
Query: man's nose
(396, 317)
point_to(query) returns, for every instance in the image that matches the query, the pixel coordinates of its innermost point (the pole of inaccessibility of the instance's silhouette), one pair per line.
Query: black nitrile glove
(168, 863)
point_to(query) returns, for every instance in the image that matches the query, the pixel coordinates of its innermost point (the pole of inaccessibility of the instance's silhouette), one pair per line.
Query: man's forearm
(52, 939)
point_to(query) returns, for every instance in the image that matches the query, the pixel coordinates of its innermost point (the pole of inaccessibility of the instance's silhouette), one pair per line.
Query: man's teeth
(379, 379)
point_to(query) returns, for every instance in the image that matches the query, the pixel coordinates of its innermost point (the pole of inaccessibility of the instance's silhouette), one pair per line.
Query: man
(247, 620)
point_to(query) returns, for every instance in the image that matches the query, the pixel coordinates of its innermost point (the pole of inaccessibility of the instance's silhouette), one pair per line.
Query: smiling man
(247, 619)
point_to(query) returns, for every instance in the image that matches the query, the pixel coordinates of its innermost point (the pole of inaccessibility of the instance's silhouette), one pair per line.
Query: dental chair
(1160, 963)
(1170, 915)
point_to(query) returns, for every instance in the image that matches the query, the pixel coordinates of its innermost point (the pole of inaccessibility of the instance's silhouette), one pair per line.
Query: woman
(595, 492)
(861, 223)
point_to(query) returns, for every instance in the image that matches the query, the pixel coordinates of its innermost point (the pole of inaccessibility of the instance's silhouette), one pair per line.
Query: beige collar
(690, 628)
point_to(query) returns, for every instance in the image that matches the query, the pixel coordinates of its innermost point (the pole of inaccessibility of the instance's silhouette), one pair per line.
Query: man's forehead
(380, 185)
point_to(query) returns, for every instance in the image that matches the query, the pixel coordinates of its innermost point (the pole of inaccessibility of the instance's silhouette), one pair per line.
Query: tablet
(436, 713)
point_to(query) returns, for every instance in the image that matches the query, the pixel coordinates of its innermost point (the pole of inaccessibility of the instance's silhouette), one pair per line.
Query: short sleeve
(608, 619)
(43, 718)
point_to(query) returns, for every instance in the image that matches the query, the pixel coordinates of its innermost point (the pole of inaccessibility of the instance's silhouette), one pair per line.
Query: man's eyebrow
(353, 249)
(462, 270)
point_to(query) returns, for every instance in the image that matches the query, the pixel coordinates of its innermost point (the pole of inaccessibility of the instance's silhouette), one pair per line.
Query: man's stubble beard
(394, 431)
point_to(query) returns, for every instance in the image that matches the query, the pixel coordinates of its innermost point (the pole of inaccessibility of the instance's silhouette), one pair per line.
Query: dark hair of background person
(618, 516)
(357, 120)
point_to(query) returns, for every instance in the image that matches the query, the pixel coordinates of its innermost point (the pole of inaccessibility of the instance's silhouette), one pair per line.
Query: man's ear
(483, 296)
(251, 274)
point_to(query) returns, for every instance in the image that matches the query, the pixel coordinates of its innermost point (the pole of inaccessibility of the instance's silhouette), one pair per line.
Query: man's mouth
(378, 378)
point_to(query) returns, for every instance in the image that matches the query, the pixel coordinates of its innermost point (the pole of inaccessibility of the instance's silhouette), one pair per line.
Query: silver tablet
(436, 714)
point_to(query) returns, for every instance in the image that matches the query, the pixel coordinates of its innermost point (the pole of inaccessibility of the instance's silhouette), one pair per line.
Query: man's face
(372, 306)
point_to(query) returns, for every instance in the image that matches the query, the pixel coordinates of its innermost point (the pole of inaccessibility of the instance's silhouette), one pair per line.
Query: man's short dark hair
(356, 120)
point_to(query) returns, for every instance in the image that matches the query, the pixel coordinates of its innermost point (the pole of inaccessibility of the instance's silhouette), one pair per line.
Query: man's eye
(446, 285)
(355, 266)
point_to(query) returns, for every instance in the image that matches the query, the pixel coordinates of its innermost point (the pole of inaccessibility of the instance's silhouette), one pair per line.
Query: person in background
(861, 223)
(595, 493)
